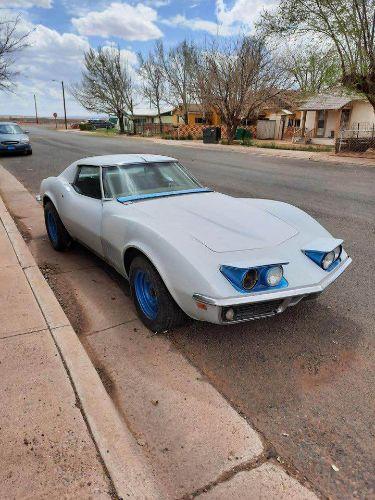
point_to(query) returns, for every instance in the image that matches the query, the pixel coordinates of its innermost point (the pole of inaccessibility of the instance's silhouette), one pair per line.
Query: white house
(323, 116)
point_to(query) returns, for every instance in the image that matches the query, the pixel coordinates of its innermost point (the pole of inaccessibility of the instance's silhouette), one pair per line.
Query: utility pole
(63, 92)
(36, 111)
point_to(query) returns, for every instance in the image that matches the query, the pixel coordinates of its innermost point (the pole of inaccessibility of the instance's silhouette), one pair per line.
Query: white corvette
(185, 249)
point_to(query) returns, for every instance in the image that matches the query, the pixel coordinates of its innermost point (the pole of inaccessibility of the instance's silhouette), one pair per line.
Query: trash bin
(242, 133)
(211, 135)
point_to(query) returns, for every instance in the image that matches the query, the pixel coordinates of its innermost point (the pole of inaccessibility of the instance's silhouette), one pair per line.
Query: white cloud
(121, 20)
(242, 12)
(197, 24)
(229, 20)
(46, 4)
(51, 56)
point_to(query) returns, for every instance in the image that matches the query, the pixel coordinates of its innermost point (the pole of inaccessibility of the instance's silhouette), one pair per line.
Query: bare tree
(12, 41)
(312, 71)
(176, 64)
(349, 25)
(106, 84)
(153, 82)
(237, 78)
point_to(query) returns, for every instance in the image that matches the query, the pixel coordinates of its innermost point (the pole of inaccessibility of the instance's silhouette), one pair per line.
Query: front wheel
(155, 305)
(57, 234)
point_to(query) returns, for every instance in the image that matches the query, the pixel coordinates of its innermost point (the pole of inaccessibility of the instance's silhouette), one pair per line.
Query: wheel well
(129, 255)
(46, 199)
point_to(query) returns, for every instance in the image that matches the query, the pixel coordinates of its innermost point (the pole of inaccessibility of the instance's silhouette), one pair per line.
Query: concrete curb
(131, 477)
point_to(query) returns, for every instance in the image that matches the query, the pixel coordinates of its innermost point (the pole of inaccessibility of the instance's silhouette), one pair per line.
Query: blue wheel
(155, 305)
(146, 294)
(57, 234)
(52, 227)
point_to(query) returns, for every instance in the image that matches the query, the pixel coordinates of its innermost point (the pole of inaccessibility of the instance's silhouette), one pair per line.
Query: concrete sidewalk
(60, 435)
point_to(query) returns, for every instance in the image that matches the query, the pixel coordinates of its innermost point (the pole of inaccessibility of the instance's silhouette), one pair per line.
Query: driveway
(304, 379)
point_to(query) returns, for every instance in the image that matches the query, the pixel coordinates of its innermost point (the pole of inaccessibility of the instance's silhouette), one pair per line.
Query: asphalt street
(304, 379)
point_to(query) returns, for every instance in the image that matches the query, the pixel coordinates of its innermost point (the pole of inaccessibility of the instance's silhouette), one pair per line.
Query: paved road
(304, 379)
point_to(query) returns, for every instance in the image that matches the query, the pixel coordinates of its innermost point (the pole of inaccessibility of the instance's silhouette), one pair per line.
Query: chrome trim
(275, 294)
(38, 197)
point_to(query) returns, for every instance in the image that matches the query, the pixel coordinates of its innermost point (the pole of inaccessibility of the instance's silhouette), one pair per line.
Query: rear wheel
(57, 234)
(155, 305)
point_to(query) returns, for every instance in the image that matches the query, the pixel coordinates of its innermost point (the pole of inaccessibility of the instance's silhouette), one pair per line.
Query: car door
(84, 210)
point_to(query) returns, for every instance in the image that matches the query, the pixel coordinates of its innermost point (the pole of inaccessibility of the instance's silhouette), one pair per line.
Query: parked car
(97, 123)
(186, 249)
(13, 139)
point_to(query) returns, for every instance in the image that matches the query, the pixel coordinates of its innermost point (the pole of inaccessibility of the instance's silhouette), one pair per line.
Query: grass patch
(111, 132)
(289, 147)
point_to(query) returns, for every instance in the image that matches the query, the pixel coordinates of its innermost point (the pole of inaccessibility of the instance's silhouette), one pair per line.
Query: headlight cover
(255, 279)
(26, 140)
(326, 260)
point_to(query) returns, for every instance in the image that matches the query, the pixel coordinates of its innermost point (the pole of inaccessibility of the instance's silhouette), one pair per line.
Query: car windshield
(146, 179)
(10, 128)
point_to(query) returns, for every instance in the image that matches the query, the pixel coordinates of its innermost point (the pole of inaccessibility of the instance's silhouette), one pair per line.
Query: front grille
(256, 310)
(10, 143)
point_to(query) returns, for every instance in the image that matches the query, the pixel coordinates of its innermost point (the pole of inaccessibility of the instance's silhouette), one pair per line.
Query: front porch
(322, 119)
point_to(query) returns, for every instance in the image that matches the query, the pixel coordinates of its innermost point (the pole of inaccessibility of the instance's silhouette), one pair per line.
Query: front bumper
(15, 148)
(267, 303)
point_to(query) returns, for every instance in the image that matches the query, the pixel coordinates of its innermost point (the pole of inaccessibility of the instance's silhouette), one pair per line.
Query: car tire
(59, 237)
(30, 152)
(154, 304)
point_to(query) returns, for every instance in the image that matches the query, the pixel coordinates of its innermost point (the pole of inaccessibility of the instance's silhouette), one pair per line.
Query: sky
(62, 30)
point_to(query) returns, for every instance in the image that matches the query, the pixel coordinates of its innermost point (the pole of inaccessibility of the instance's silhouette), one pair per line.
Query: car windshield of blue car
(9, 128)
(147, 179)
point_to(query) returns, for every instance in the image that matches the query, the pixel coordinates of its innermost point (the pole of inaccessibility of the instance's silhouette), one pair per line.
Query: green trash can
(242, 133)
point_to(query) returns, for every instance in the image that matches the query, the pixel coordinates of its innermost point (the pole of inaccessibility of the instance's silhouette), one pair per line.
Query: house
(196, 116)
(272, 123)
(150, 115)
(323, 116)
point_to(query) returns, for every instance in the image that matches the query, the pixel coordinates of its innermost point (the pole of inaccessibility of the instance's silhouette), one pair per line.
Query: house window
(200, 120)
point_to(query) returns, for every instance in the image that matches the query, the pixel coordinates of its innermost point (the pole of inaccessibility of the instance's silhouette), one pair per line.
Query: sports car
(186, 249)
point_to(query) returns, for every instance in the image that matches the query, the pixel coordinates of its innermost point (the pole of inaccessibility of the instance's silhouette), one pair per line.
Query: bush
(86, 126)
(248, 141)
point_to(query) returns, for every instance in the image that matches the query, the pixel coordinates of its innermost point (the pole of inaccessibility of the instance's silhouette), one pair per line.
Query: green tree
(348, 25)
(312, 71)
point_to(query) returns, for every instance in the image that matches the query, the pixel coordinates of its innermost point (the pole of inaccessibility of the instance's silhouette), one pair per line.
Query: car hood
(220, 222)
(12, 137)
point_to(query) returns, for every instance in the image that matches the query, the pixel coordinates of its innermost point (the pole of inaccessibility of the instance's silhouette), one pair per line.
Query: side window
(88, 182)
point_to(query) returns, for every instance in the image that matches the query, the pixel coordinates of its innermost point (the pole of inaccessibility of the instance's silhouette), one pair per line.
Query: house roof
(193, 108)
(152, 111)
(321, 102)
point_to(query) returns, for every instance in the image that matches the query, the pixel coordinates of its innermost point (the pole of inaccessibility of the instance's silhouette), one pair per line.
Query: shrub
(86, 126)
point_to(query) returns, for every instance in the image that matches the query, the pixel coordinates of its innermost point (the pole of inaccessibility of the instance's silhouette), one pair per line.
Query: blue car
(13, 139)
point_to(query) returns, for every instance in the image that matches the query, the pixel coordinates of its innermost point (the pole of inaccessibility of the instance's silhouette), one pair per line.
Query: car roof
(123, 159)
(8, 123)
